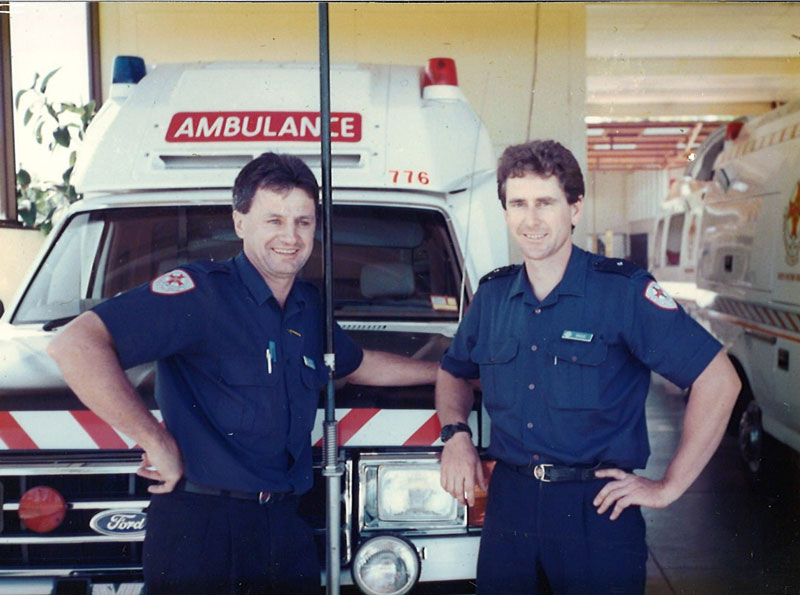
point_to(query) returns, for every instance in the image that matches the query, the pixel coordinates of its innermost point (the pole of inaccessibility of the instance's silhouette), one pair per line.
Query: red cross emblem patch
(172, 283)
(659, 297)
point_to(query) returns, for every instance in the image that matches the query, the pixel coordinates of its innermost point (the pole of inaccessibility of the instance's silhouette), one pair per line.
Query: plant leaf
(46, 79)
(62, 136)
(18, 98)
(27, 117)
(23, 177)
(38, 133)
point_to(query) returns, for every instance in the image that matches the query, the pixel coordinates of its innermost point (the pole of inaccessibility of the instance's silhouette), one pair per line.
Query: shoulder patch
(656, 295)
(172, 283)
(616, 265)
(511, 269)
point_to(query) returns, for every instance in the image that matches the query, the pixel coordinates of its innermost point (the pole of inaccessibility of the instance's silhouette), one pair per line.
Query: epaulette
(617, 265)
(208, 266)
(511, 269)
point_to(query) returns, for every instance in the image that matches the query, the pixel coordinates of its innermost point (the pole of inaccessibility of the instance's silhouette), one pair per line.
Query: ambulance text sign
(192, 127)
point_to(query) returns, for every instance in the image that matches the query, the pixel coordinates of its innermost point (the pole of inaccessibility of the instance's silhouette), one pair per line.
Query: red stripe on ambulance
(192, 127)
(13, 435)
(99, 431)
(427, 434)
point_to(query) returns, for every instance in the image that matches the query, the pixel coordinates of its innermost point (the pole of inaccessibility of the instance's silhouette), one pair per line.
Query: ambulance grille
(106, 481)
(91, 483)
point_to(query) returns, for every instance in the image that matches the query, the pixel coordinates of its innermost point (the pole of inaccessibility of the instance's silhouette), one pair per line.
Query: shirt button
(535, 457)
(531, 386)
(574, 358)
(538, 310)
(534, 347)
(530, 425)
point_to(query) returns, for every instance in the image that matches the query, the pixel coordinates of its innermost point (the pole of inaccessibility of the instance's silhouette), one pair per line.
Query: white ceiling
(691, 59)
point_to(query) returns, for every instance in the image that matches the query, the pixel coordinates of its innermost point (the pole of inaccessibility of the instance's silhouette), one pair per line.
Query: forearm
(85, 354)
(454, 398)
(710, 403)
(379, 368)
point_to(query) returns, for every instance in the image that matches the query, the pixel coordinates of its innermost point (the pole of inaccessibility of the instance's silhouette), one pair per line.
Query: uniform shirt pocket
(247, 386)
(314, 378)
(576, 373)
(497, 361)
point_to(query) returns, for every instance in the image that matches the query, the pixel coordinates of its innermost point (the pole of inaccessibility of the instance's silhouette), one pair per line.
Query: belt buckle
(539, 472)
(264, 497)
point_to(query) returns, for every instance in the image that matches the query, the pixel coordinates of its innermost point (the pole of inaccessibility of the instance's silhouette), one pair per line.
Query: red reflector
(477, 513)
(733, 130)
(440, 71)
(42, 509)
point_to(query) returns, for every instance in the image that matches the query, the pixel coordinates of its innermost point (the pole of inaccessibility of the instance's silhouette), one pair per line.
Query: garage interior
(657, 79)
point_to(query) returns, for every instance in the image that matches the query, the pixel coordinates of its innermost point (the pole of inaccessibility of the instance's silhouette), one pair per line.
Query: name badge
(309, 362)
(577, 336)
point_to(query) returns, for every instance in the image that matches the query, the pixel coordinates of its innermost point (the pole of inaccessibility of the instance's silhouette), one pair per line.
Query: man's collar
(574, 280)
(259, 289)
(572, 283)
(252, 279)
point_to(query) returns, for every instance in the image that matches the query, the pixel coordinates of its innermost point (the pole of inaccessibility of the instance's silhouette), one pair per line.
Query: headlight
(386, 565)
(406, 493)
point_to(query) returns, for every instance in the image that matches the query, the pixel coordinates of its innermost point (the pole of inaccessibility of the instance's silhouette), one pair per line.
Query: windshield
(389, 263)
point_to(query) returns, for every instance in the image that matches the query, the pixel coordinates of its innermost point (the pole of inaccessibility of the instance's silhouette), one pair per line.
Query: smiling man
(238, 346)
(563, 345)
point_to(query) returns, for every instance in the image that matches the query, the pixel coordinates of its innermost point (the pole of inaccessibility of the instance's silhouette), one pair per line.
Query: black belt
(260, 497)
(558, 473)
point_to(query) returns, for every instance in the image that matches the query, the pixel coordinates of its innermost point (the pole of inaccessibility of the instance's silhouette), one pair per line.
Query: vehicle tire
(751, 438)
(742, 401)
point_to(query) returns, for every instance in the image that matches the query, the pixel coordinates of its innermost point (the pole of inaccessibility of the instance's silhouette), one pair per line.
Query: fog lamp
(386, 565)
(42, 509)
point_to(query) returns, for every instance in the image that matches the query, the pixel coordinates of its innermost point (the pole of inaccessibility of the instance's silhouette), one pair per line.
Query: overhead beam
(653, 111)
(695, 67)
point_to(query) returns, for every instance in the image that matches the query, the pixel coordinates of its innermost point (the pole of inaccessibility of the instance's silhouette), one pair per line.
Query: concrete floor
(727, 534)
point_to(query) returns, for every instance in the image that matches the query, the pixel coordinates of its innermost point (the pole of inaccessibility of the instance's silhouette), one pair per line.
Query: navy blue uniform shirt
(242, 422)
(565, 379)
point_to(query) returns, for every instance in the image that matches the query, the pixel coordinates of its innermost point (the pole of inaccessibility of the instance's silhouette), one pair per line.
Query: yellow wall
(18, 248)
(494, 45)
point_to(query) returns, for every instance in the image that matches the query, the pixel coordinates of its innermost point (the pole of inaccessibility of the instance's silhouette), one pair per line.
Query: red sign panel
(193, 127)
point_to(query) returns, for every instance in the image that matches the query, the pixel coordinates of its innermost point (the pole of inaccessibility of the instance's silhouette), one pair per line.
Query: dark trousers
(216, 545)
(540, 537)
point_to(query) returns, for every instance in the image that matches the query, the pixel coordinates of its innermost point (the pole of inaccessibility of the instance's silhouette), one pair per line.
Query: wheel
(742, 401)
(751, 438)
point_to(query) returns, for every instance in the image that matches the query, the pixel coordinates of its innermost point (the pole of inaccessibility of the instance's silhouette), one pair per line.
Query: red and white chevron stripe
(756, 313)
(83, 430)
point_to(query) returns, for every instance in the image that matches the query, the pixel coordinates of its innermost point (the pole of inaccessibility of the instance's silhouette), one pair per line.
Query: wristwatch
(450, 430)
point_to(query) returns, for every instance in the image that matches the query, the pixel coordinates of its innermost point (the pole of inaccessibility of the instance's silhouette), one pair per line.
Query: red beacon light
(42, 509)
(733, 130)
(440, 80)
(440, 71)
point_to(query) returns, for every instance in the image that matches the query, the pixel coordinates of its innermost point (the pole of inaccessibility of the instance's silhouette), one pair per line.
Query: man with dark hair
(238, 346)
(563, 345)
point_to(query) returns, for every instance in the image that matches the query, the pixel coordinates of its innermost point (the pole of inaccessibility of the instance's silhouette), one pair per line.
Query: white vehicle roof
(195, 125)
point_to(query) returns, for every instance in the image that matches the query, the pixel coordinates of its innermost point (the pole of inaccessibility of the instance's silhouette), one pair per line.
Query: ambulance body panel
(413, 186)
(749, 265)
(676, 233)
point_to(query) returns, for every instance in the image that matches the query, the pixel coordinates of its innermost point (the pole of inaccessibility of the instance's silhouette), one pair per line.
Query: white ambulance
(676, 233)
(416, 224)
(749, 263)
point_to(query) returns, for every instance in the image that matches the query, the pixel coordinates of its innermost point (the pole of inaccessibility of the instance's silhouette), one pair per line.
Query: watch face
(450, 429)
